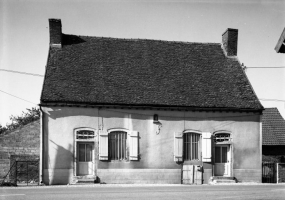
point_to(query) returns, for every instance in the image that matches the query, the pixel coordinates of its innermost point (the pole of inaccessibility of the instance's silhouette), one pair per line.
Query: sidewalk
(134, 185)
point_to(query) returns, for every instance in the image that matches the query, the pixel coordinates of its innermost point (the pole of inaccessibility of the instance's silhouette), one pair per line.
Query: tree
(3, 129)
(18, 121)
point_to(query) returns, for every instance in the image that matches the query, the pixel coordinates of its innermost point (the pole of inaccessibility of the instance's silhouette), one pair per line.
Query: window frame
(225, 140)
(127, 153)
(85, 140)
(78, 141)
(198, 149)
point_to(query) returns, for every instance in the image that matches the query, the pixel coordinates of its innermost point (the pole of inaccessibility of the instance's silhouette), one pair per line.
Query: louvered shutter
(103, 145)
(178, 146)
(134, 145)
(206, 147)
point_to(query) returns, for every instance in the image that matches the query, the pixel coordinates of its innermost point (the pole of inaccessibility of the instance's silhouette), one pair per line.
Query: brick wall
(22, 141)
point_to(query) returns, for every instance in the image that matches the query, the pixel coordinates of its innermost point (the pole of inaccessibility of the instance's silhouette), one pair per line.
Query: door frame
(75, 148)
(77, 156)
(229, 157)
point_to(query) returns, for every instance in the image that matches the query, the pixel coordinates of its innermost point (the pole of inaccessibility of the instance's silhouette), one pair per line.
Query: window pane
(117, 145)
(88, 152)
(222, 137)
(191, 146)
(85, 135)
(217, 155)
(224, 154)
(81, 152)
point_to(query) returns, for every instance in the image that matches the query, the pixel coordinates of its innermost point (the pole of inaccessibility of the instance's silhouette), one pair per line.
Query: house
(147, 111)
(280, 46)
(273, 133)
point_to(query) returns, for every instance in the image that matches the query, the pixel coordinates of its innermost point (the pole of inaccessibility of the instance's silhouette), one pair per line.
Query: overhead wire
(263, 67)
(25, 73)
(18, 97)
(272, 100)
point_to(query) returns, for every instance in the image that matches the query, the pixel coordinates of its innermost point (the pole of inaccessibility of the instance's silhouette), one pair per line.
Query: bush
(18, 121)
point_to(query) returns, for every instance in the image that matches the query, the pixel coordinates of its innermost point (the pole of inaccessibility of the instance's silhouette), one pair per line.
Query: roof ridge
(145, 39)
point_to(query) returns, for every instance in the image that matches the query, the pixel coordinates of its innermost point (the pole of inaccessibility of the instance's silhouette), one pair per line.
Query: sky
(24, 38)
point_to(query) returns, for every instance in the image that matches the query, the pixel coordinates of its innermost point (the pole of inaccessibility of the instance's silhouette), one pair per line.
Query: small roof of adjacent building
(273, 127)
(139, 72)
(280, 46)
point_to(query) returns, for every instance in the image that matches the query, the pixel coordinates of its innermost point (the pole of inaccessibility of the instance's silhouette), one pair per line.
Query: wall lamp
(156, 122)
(155, 119)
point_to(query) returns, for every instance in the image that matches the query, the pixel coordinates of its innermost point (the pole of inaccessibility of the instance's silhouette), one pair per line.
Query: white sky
(24, 37)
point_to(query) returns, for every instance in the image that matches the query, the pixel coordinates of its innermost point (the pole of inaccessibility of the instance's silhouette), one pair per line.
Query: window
(117, 145)
(85, 152)
(191, 146)
(85, 135)
(221, 154)
(222, 137)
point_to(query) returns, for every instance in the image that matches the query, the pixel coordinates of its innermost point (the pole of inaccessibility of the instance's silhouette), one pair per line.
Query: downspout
(260, 145)
(41, 147)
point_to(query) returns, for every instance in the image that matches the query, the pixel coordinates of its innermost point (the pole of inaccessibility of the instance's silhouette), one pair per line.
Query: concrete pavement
(165, 192)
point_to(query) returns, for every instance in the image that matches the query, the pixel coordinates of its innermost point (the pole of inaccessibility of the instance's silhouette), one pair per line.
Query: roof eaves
(186, 108)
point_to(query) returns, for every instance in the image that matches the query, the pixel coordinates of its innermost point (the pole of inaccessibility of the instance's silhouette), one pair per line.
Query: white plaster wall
(156, 150)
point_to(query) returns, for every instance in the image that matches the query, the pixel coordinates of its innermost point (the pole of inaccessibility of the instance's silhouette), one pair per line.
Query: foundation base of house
(222, 179)
(82, 180)
(139, 176)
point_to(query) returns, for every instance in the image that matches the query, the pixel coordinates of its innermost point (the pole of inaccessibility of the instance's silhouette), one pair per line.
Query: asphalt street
(165, 192)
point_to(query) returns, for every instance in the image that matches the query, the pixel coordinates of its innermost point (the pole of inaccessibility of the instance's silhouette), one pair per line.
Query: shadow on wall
(63, 165)
(64, 112)
(226, 117)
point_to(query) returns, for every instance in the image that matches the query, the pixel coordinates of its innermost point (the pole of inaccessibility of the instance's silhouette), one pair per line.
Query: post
(277, 172)
(27, 172)
(16, 174)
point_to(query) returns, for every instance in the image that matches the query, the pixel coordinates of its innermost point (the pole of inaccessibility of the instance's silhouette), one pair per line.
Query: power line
(264, 67)
(18, 97)
(25, 73)
(272, 100)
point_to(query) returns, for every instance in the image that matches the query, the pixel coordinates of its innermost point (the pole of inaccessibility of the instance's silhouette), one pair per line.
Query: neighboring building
(280, 46)
(21, 143)
(140, 111)
(273, 135)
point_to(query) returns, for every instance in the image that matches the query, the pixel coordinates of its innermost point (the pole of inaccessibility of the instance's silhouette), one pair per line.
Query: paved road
(203, 192)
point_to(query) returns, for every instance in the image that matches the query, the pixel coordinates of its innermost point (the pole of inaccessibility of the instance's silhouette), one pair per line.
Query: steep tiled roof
(273, 127)
(140, 72)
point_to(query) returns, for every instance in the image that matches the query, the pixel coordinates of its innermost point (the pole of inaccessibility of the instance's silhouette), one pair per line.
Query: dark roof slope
(273, 127)
(280, 46)
(95, 70)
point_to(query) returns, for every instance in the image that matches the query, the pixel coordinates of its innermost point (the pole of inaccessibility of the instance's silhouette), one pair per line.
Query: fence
(273, 172)
(280, 172)
(23, 173)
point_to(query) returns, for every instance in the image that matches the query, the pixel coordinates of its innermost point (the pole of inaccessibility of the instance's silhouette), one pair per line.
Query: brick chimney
(55, 33)
(230, 40)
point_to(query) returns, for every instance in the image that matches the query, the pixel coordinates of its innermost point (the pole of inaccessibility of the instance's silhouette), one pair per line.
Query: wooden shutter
(134, 145)
(206, 147)
(178, 146)
(103, 145)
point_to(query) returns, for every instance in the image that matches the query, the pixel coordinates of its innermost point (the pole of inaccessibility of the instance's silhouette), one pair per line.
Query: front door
(222, 160)
(85, 158)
